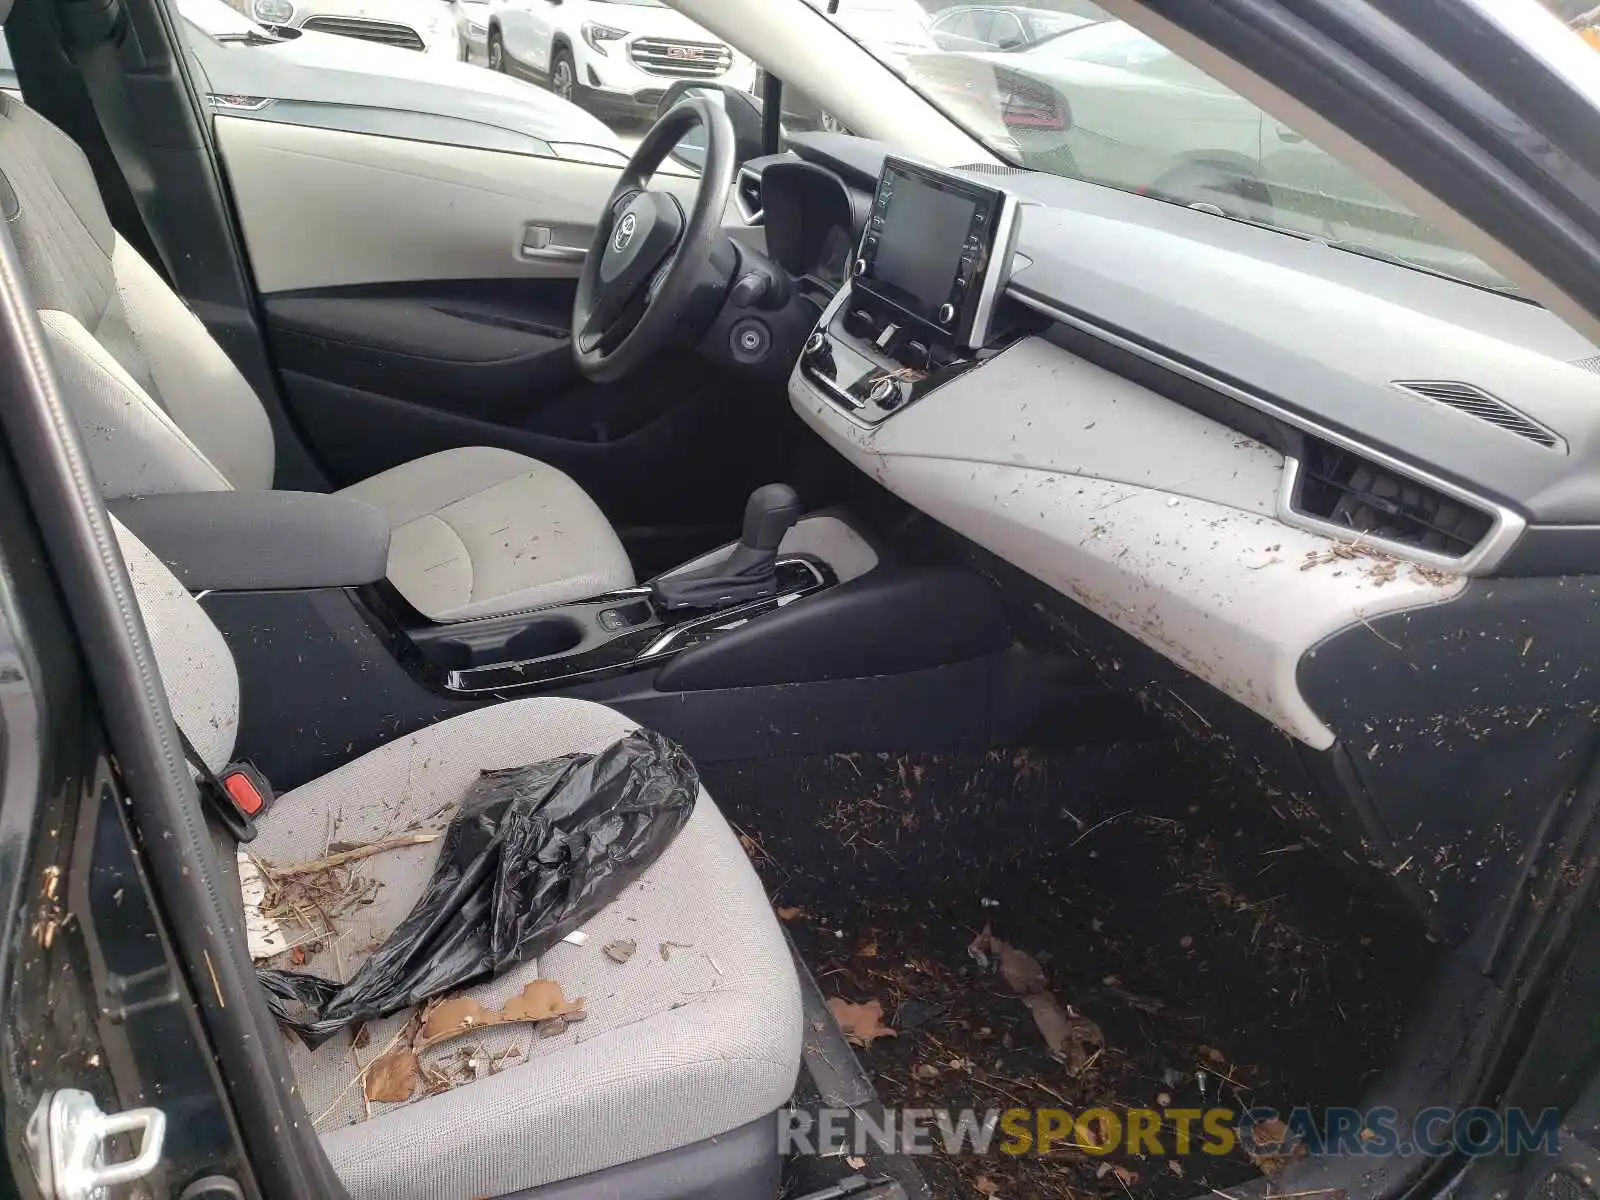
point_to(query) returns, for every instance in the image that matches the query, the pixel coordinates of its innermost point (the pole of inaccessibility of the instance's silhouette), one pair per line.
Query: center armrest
(261, 541)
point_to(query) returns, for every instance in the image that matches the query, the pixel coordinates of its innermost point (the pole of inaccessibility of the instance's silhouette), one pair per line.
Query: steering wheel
(651, 264)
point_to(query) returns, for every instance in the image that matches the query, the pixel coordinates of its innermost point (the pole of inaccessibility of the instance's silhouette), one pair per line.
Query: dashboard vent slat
(1475, 402)
(1341, 488)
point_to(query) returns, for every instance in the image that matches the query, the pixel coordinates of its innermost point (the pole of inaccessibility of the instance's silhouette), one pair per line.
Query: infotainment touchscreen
(937, 247)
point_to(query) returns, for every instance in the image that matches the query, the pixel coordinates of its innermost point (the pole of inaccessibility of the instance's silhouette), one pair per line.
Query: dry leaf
(666, 949)
(985, 1186)
(1266, 1148)
(621, 950)
(868, 949)
(1175, 1167)
(855, 1164)
(1076, 1039)
(297, 956)
(860, 1023)
(393, 1077)
(791, 912)
(925, 1071)
(1019, 968)
(1124, 1174)
(1215, 1055)
(539, 1001)
(453, 1017)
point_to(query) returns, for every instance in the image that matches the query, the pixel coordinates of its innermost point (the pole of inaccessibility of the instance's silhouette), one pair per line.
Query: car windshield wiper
(250, 38)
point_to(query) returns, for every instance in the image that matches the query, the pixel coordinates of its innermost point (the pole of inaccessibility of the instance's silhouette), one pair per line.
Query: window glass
(1083, 94)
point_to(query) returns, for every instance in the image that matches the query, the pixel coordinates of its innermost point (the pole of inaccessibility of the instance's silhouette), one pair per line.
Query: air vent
(1341, 488)
(994, 169)
(1588, 364)
(748, 190)
(1475, 402)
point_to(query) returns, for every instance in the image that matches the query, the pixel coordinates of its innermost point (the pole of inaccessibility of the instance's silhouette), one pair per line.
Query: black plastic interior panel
(1467, 724)
(887, 622)
(480, 349)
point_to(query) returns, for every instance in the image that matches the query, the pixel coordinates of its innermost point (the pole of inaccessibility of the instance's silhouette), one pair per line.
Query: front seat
(670, 1087)
(161, 408)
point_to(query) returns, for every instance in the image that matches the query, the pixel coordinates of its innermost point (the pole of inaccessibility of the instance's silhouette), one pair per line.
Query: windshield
(1062, 86)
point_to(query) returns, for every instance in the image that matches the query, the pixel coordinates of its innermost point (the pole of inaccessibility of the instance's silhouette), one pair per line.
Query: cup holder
(543, 636)
(552, 635)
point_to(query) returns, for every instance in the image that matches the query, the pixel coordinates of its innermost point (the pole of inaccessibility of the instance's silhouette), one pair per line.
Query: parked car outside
(472, 29)
(308, 78)
(1109, 104)
(424, 25)
(615, 58)
(1002, 26)
(893, 30)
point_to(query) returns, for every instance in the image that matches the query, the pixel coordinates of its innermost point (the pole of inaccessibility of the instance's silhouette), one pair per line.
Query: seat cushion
(480, 531)
(680, 1044)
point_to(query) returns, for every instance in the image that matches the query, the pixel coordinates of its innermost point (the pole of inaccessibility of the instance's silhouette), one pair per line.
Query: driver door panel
(418, 297)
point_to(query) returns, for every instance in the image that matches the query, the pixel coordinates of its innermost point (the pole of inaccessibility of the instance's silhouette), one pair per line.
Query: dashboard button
(861, 266)
(947, 313)
(884, 392)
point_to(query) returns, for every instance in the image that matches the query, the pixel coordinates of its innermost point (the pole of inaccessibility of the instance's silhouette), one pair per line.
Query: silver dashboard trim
(750, 217)
(1508, 525)
(998, 273)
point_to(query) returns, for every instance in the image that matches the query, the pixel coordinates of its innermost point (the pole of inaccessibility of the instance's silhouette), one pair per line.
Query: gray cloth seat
(161, 408)
(697, 1035)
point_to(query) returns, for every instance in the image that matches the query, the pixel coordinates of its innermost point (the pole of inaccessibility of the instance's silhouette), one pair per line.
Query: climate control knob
(861, 266)
(884, 392)
(814, 343)
(947, 313)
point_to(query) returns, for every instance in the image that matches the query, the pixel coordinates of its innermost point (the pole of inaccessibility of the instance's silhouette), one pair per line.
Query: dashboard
(1351, 505)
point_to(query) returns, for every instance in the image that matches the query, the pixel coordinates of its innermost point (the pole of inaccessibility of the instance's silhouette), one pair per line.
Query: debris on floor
(861, 1023)
(1075, 876)
(621, 950)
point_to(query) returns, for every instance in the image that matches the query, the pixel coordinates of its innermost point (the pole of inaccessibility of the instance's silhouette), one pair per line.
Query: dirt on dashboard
(1198, 953)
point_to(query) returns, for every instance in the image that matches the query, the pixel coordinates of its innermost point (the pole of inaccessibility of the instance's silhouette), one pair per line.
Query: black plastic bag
(533, 853)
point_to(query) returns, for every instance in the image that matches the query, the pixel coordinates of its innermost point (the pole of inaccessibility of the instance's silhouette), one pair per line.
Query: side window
(1007, 31)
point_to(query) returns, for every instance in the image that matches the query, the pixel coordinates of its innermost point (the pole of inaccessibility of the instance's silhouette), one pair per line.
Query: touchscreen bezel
(974, 309)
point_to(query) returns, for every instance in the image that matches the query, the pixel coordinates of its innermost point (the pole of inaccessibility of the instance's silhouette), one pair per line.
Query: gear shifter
(748, 572)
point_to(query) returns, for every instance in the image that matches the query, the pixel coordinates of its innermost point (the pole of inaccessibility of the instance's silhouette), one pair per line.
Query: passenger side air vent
(1341, 488)
(1475, 402)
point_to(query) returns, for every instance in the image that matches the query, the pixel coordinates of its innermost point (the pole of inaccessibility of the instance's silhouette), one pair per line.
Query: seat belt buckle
(248, 788)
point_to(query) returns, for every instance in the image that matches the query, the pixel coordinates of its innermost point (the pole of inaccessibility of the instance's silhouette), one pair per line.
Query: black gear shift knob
(749, 572)
(769, 514)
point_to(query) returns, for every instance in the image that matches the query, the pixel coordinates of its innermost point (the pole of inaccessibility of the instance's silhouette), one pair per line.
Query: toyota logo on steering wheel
(625, 231)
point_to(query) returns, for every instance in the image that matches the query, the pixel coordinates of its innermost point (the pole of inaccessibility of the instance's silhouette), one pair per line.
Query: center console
(922, 301)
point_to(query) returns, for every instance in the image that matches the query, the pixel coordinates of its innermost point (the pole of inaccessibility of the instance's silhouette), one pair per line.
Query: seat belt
(237, 798)
(97, 61)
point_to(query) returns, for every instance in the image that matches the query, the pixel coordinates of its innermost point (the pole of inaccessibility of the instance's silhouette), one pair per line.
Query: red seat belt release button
(247, 788)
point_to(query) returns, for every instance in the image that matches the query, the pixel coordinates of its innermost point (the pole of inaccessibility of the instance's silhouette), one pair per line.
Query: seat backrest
(197, 669)
(160, 407)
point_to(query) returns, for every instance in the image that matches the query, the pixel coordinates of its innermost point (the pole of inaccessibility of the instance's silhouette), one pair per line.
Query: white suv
(425, 25)
(614, 57)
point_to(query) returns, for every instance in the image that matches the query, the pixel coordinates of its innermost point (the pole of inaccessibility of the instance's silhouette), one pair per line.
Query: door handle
(538, 244)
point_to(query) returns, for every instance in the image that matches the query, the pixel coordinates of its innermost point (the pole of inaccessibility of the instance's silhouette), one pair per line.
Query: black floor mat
(1212, 947)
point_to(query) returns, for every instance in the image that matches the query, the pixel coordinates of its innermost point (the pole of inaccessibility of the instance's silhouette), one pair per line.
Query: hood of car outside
(642, 20)
(415, 13)
(318, 68)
